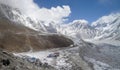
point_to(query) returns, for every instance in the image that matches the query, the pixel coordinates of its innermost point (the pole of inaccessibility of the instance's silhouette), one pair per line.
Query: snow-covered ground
(69, 59)
(42, 55)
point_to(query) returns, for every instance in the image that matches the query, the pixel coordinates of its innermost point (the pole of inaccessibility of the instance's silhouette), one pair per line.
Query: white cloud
(28, 7)
(80, 21)
(57, 14)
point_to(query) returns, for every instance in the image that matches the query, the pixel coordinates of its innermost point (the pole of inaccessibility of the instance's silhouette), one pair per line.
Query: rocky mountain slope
(25, 41)
(15, 37)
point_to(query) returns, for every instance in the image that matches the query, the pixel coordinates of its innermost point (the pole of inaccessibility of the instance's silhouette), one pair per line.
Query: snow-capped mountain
(16, 15)
(108, 27)
(78, 28)
(75, 29)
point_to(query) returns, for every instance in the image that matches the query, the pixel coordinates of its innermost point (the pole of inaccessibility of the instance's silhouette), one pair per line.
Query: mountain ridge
(101, 29)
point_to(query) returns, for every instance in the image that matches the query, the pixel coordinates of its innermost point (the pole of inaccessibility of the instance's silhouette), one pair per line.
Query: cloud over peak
(57, 14)
(30, 8)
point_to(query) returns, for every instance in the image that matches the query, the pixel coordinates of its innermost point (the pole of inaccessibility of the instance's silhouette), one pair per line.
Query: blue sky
(89, 10)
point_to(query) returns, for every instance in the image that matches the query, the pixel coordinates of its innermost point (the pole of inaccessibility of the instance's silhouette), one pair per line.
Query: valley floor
(82, 57)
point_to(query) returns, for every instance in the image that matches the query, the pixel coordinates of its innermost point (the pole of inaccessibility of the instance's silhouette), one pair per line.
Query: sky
(89, 10)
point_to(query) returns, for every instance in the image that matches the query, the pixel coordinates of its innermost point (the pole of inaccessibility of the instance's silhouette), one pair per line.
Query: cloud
(57, 14)
(80, 21)
(30, 8)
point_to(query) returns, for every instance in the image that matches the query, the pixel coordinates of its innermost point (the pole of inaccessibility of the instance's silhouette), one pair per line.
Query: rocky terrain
(10, 62)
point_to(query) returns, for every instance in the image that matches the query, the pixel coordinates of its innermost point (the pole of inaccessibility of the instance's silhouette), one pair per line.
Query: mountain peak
(105, 20)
